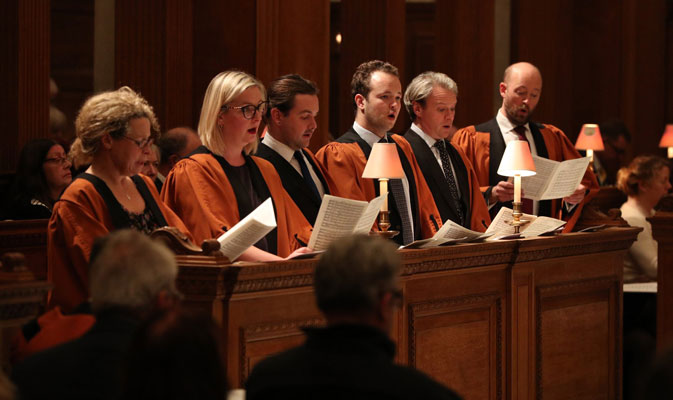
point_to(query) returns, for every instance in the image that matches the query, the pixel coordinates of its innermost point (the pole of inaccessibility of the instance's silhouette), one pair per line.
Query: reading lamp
(667, 140)
(517, 162)
(590, 140)
(384, 164)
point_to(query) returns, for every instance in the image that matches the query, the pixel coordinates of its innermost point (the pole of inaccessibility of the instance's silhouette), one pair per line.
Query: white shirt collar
(367, 136)
(281, 148)
(429, 140)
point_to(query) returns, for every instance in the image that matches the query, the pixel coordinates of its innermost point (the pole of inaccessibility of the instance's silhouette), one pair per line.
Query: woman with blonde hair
(220, 183)
(114, 131)
(645, 181)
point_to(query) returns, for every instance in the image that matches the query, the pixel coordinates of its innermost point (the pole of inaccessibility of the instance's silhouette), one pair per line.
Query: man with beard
(485, 144)
(290, 117)
(377, 98)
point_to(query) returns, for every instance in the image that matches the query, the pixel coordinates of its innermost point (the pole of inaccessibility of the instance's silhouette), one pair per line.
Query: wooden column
(293, 37)
(153, 55)
(464, 43)
(24, 73)
(372, 29)
(662, 231)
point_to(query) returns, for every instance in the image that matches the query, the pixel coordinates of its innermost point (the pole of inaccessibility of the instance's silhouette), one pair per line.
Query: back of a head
(353, 273)
(174, 141)
(175, 355)
(130, 271)
(642, 169)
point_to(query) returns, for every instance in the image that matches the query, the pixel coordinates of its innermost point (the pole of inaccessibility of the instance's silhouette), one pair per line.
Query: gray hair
(130, 271)
(354, 273)
(421, 87)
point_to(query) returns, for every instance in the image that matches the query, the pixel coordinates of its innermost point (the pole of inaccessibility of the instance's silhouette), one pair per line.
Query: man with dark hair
(377, 96)
(485, 144)
(431, 99)
(617, 143)
(132, 276)
(175, 144)
(290, 118)
(356, 288)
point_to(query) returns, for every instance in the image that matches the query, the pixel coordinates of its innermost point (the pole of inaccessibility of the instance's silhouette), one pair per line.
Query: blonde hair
(224, 88)
(641, 170)
(108, 112)
(421, 87)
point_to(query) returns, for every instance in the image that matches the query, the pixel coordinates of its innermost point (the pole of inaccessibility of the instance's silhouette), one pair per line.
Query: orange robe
(476, 143)
(344, 163)
(79, 218)
(198, 190)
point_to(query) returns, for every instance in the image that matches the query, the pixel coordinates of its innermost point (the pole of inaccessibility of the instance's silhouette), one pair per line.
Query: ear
(418, 109)
(503, 89)
(220, 118)
(276, 115)
(360, 101)
(107, 140)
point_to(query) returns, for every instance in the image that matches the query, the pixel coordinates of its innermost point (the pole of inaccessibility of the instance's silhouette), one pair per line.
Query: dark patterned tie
(397, 190)
(450, 180)
(527, 206)
(306, 174)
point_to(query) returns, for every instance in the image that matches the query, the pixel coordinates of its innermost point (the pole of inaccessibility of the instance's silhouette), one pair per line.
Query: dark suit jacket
(434, 176)
(294, 183)
(497, 149)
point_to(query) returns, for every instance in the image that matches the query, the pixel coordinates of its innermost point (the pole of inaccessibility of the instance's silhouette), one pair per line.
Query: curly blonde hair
(108, 112)
(641, 170)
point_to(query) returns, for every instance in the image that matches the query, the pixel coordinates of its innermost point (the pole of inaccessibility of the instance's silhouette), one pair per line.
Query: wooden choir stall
(521, 319)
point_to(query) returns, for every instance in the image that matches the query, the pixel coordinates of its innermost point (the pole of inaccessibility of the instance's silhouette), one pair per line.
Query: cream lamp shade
(590, 138)
(517, 160)
(667, 140)
(383, 162)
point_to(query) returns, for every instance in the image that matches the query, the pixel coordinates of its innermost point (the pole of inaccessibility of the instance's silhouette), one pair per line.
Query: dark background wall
(600, 59)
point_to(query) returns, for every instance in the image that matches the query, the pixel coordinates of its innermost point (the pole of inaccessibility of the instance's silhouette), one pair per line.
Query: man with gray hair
(431, 101)
(356, 288)
(131, 276)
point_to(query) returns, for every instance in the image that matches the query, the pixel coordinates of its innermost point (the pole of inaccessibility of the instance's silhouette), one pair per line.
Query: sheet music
(452, 230)
(248, 231)
(640, 287)
(541, 225)
(338, 217)
(500, 224)
(554, 179)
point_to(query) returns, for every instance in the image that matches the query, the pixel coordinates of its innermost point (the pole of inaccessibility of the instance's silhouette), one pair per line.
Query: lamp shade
(383, 162)
(667, 137)
(517, 160)
(589, 138)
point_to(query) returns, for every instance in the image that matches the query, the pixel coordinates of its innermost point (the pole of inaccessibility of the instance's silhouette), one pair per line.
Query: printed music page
(500, 226)
(554, 179)
(248, 231)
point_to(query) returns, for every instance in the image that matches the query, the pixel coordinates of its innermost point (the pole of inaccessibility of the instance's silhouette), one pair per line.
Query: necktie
(306, 174)
(527, 203)
(400, 199)
(450, 179)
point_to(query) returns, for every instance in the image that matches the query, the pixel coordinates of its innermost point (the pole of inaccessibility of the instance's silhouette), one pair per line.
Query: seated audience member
(175, 354)
(42, 174)
(114, 132)
(645, 181)
(132, 276)
(431, 99)
(617, 143)
(175, 144)
(220, 183)
(356, 288)
(376, 93)
(293, 107)
(151, 166)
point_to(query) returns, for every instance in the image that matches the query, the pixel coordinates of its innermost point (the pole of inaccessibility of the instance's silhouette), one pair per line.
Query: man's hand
(503, 191)
(577, 196)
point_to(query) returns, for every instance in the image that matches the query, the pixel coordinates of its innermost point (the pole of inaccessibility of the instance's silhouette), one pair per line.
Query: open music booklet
(450, 232)
(536, 227)
(339, 217)
(554, 179)
(248, 231)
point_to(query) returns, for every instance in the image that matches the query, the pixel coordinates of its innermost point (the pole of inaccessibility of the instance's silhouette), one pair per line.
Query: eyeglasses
(249, 111)
(141, 143)
(58, 160)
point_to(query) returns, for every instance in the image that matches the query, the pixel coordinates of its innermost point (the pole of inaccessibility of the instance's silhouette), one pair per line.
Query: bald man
(485, 144)
(175, 144)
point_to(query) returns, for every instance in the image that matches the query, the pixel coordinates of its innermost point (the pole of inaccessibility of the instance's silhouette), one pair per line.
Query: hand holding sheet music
(248, 231)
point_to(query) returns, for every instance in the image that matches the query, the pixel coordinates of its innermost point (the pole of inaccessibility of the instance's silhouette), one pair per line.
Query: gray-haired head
(421, 87)
(353, 274)
(130, 271)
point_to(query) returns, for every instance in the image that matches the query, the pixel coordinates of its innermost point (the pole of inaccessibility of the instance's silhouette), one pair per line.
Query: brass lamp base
(384, 224)
(517, 222)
